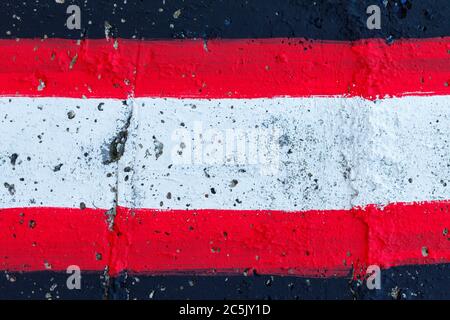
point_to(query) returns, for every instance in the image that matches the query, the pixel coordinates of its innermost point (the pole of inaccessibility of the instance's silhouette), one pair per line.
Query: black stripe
(320, 19)
(411, 282)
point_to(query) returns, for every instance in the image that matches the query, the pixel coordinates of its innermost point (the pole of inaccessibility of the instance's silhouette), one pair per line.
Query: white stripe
(40, 132)
(331, 153)
(334, 153)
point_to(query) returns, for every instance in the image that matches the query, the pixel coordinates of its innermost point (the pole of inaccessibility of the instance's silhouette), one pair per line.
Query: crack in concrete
(116, 147)
(116, 150)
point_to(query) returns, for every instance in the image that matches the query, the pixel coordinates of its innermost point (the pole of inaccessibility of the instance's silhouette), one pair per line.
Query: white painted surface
(333, 153)
(40, 132)
(343, 152)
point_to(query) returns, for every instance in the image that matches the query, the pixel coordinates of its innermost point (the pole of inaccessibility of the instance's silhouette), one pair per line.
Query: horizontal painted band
(223, 68)
(314, 243)
(56, 152)
(333, 20)
(412, 282)
(285, 154)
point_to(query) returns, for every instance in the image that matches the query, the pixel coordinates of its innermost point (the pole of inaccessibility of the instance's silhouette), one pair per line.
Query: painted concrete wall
(217, 150)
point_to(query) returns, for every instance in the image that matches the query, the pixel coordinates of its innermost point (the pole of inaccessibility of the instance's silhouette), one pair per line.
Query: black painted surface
(405, 283)
(151, 19)
(50, 286)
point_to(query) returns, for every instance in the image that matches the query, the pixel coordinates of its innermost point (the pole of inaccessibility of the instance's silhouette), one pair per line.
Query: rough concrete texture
(328, 153)
(320, 154)
(123, 136)
(334, 153)
(401, 283)
(325, 19)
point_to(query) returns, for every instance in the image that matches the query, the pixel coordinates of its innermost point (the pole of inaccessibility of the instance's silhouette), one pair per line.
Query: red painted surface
(224, 68)
(203, 241)
(52, 239)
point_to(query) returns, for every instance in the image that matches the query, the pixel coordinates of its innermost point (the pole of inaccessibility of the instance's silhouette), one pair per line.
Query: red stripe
(40, 238)
(203, 241)
(224, 68)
